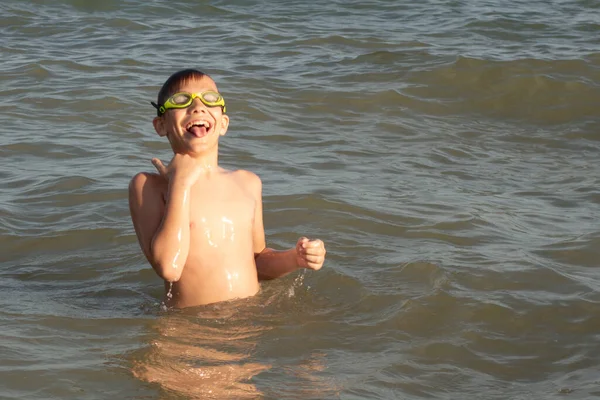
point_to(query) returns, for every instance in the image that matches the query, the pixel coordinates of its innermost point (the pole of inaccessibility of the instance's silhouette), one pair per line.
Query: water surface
(446, 152)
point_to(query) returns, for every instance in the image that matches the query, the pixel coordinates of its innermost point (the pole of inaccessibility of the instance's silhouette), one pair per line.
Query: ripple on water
(446, 153)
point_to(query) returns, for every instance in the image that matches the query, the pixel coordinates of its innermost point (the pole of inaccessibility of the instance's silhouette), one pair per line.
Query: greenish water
(446, 152)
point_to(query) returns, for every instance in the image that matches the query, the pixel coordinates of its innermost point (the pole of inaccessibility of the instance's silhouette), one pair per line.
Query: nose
(198, 106)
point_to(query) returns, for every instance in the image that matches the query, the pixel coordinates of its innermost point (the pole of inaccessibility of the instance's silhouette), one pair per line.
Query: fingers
(313, 243)
(300, 244)
(312, 252)
(314, 259)
(315, 262)
(159, 167)
(312, 247)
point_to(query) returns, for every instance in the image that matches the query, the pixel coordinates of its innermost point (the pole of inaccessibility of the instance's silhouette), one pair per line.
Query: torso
(220, 264)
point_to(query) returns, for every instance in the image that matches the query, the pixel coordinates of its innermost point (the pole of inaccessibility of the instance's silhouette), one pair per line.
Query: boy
(201, 226)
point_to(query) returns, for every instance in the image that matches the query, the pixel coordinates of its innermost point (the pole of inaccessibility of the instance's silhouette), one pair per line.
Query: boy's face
(196, 128)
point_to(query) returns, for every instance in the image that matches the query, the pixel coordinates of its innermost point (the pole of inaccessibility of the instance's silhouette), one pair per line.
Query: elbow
(168, 268)
(167, 265)
(262, 253)
(170, 273)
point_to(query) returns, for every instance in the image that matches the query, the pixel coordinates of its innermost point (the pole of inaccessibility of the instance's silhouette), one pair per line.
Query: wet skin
(220, 264)
(201, 226)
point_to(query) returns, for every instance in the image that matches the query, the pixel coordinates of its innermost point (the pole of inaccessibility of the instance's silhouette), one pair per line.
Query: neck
(208, 162)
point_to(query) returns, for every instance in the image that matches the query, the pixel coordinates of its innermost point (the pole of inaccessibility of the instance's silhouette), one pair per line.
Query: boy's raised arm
(162, 228)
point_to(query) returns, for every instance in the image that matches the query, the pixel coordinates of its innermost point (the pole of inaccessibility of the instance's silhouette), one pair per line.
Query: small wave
(539, 90)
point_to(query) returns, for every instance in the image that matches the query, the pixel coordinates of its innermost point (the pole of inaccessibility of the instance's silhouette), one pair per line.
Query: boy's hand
(182, 168)
(310, 253)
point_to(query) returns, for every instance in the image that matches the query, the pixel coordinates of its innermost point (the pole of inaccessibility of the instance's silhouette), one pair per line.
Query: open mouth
(198, 128)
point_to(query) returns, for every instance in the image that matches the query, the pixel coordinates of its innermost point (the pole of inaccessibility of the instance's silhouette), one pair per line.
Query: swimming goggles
(185, 99)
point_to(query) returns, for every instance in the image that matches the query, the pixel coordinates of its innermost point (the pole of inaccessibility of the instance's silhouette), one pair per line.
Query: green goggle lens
(185, 99)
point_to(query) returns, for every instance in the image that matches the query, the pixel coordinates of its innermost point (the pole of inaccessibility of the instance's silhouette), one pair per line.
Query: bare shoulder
(146, 184)
(248, 180)
(246, 176)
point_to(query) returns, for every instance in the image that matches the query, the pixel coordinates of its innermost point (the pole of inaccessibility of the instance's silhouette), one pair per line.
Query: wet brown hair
(173, 83)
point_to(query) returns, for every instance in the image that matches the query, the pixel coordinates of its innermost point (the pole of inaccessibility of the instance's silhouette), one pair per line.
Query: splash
(298, 281)
(170, 292)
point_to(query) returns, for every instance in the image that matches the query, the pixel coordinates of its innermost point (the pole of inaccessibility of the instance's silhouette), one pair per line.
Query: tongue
(197, 130)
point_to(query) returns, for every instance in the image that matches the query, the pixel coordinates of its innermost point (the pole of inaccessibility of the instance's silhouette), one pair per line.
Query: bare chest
(221, 212)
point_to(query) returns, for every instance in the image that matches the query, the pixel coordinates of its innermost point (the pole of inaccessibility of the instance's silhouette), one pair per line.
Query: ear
(224, 124)
(159, 126)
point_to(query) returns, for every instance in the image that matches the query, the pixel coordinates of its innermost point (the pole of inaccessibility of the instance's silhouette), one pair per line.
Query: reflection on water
(203, 353)
(218, 351)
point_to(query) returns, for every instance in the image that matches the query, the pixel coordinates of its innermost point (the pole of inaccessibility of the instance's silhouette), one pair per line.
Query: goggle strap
(160, 109)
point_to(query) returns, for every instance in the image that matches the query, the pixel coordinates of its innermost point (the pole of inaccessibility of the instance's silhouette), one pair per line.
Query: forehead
(196, 85)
